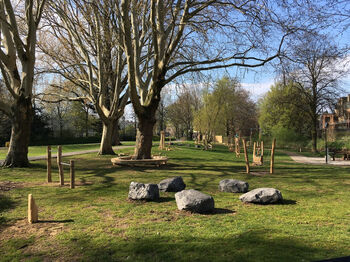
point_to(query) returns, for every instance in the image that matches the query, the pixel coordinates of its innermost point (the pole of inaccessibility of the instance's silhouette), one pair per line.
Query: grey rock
(195, 201)
(174, 184)
(233, 186)
(262, 196)
(140, 191)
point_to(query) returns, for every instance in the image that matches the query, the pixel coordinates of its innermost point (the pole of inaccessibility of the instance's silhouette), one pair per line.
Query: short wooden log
(32, 210)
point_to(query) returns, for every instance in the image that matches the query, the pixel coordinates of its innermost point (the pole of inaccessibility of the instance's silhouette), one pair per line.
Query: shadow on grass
(165, 199)
(287, 202)
(6, 203)
(56, 221)
(252, 245)
(159, 200)
(221, 211)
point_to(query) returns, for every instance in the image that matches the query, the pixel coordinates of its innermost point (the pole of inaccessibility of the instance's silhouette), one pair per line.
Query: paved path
(316, 160)
(34, 158)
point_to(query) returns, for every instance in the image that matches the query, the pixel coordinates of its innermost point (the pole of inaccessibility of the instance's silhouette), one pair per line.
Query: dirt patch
(9, 185)
(21, 228)
(45, 244)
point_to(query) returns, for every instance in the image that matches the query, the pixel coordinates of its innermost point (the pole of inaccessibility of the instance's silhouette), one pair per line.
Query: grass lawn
(41, 150)
(96, 221)
(312, 154)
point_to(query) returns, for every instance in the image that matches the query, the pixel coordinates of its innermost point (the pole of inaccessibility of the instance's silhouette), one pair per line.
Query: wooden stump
(32, 210)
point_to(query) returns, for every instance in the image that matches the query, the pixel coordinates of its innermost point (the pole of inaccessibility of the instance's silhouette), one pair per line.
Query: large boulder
(195, 201)
(233, 186)
(174, 184)
(140, 191)
(262, 196)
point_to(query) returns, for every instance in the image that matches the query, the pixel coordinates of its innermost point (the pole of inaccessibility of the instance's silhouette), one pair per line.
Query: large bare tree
(19, 22)
(84, 49)
(170, 38)
(315, 65)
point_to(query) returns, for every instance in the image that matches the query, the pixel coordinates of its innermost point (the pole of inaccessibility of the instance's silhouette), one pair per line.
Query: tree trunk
(17, 155)
(106, 140)
(143, 147)
(115, 137)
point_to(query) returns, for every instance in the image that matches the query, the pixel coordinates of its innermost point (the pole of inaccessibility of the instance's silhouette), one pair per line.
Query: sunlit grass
(41, 150)
(96, 221)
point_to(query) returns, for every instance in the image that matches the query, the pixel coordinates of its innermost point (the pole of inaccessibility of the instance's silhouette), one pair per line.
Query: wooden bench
(345, 153)
(129, 161)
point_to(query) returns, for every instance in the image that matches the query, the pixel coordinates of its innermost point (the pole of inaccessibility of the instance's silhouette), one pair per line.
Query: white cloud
(258, 89)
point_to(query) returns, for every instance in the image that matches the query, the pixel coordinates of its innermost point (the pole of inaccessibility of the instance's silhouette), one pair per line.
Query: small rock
(262, 196)
(194, 201)
(140, 191)
(233, 186)
(174, 184)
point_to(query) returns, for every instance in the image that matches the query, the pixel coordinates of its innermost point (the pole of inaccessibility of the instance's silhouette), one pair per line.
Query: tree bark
(143, 147)
(115, 136)
(22, 117)
(106, 140)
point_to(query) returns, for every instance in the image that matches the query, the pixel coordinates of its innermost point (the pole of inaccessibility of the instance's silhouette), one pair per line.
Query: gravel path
(316, 160)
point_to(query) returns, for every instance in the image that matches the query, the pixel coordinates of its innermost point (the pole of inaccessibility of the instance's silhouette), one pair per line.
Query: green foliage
(82, 120)
(226, 110)
(66, 140)
(5, 129)
(40, 126)
(180, 114)
(280, 114)
(288, 137)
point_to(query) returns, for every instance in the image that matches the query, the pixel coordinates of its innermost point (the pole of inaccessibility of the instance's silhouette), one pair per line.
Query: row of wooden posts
(272, 159)
(60, 164)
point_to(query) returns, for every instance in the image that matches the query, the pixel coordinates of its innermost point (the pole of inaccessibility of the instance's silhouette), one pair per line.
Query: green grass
(96, 221)
(312, 154)
(41, 150)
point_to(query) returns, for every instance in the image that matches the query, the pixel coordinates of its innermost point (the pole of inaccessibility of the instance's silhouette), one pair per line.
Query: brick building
(340, 119)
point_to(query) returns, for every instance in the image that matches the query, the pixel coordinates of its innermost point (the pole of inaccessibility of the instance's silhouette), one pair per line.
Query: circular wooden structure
(129, 161)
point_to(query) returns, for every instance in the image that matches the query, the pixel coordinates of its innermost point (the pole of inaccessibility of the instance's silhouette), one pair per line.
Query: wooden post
(254, 150)
(32, 210)
(262, 151)
(72, 174)
(272, 160)
(162, 140)
(246, 156)
(59, 164)
(236, 146)
(49, 178)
